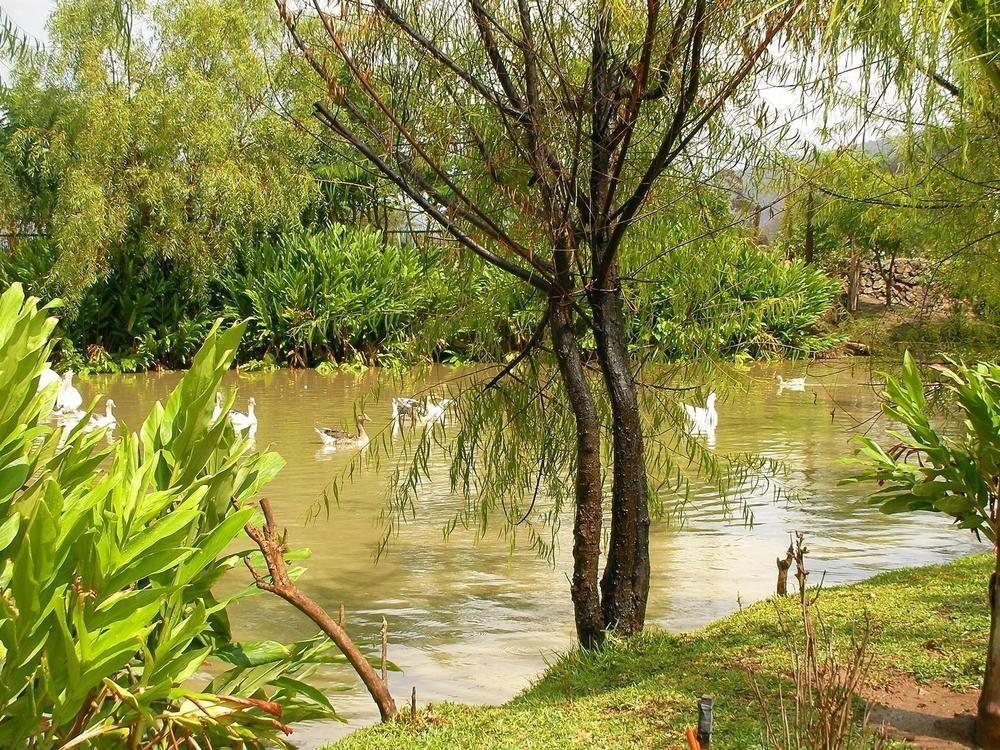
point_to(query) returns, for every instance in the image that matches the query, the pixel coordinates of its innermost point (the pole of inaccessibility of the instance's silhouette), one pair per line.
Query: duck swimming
(69, 398)
(244, 422)
(333, 436)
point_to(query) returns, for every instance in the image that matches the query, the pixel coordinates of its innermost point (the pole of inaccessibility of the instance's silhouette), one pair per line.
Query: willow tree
(536, 135)
(930, 87)
(146, 130)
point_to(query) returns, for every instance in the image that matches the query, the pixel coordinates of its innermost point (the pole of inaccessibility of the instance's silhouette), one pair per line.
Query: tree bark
(988, 713)
(810, 243)
(588, 518)
(890, 280)
(271, 542)
(625, 584)
(853, 281)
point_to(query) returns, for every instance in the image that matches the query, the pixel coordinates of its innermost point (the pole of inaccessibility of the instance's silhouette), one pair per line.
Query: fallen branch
(272, 546)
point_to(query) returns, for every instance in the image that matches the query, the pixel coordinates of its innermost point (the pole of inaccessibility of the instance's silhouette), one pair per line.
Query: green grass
(930, 624)
(889, 334)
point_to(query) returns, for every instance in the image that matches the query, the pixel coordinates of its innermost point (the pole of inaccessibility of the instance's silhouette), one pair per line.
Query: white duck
(69, 398)
(47, 377)
(107, 419)
(703, 419)
(434, 412)
(245, 422)
(217, 412)
(333, 436)
(792, 384)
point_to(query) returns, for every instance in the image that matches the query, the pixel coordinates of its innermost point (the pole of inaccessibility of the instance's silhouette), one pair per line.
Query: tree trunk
(810, 243)
(625, 585)
(587, 521)
(988, 715)
(853, 281)
(890, 281)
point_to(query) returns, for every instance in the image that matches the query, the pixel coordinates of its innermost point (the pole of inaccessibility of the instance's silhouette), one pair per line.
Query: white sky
(30, 15)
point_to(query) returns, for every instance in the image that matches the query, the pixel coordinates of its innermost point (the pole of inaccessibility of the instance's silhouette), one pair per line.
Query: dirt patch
(932, 717)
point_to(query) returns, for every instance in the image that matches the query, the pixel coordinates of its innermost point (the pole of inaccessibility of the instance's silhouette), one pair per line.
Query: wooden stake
(385, 650)
(783, 566)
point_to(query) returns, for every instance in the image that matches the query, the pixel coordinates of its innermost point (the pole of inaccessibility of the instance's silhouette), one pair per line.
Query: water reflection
(472, 620)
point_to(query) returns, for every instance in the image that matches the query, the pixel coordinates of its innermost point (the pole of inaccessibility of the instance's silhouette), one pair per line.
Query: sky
(30, 15)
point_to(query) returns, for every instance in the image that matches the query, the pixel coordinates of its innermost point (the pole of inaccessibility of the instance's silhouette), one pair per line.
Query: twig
(278, 582)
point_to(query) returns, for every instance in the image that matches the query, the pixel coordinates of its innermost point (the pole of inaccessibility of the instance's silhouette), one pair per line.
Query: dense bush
(727, 296)
(344, 295)
(108, 557)
(143, 312)
(336, 295)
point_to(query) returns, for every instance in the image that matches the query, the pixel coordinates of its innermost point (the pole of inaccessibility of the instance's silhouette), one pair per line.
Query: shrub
(727, 296)
(337, 295)
(108, 556)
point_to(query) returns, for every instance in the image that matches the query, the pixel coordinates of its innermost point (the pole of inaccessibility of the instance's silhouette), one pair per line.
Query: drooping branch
(534, 341)
(271, 544)
(529, 276)
(357, 115)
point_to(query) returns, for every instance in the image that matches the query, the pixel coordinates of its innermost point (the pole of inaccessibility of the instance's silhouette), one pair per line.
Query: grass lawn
(931, 624)
(890, 333)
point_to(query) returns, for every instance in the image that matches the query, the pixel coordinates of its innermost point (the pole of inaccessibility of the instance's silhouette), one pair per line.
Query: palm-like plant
(108, 558)
(958, 475)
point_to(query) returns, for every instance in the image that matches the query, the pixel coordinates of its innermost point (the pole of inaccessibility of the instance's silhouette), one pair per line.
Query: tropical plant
(336, 295)
(108, 558)
(952, 469)
(726, 296)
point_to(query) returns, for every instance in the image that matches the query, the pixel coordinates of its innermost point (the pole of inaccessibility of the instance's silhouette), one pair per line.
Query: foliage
(930, 470)
(108, 556)
(929, 91)
(340, 294)
(878, 208)
(642, 692)
(727, 296)
(161, 144)
(958, 476)
(14, 41)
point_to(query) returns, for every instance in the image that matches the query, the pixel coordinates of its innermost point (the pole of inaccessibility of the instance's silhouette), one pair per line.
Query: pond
(474, 622)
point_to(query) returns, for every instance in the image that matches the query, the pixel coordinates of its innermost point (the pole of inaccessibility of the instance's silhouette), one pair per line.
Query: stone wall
(909, 287)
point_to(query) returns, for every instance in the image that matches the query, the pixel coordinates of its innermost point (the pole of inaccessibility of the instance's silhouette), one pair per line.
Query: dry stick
(272, 546)
(384, 634)
(413, 705)
(783, 566)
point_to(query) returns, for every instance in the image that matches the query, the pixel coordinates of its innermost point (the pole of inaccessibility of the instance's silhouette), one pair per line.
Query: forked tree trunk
(988, 715)
(625, 585)
(587, 521)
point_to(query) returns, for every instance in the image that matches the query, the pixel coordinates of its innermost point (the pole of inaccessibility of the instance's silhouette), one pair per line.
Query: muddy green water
(472, 622)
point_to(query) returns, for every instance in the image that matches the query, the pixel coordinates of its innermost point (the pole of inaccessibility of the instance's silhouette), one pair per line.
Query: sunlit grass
(930, 623)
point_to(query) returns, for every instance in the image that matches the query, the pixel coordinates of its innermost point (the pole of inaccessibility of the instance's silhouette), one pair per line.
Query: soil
(931, 717)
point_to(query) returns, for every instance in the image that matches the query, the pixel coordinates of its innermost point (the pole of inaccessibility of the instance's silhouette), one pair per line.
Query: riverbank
(930, 627)
(886, 334)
